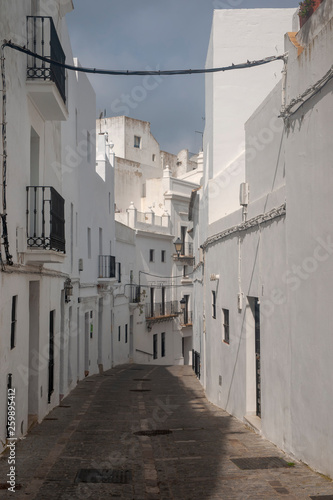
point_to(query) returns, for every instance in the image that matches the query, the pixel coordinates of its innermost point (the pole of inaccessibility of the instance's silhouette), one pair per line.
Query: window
(151, 255)
(100, 233)
(126, 334)
(155, 346)
(152, 296)
(163, 302)
(186, 312)
(144, 190)
(214, 304)
(137, 141)
(162, 255)
(163, 344)
(153, 157)
(119, 271)
(119, 333)
(51, 356)
(13, 323)
(183, 231)
(184, 271)
(226, 325)
(89, 242)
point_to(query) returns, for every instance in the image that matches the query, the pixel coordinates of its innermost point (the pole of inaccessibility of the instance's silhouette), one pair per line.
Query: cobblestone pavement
(95, 426)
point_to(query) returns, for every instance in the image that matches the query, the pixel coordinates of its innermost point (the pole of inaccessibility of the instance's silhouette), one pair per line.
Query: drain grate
(142, 379)
(322, 497)
(64, 406)
(140, 390)
(156, 432)
(103, 476)
(50, 418)
(259, 463)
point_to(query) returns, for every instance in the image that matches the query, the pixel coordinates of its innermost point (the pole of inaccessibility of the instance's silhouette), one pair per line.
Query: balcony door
(34, 219)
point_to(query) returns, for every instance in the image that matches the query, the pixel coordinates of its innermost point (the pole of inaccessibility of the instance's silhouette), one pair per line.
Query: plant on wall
(305, 7)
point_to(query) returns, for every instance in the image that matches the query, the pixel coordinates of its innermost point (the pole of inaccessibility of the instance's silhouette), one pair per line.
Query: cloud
(168, 35)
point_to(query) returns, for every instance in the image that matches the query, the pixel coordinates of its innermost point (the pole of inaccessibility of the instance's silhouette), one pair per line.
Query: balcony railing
(135, 294)
(162, 310)
(186, 318)
(106, 266)
(45, 218)
(43, 40)
(187, 250)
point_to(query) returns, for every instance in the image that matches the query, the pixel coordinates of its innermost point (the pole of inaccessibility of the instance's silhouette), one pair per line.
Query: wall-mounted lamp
(68, 289)
(178, 246)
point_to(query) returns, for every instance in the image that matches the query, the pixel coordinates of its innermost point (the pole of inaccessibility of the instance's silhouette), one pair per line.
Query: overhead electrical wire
(19, 48)
(248, 64)
(166, 277)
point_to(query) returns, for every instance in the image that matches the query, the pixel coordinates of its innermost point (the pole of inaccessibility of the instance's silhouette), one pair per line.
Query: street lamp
(178, 246)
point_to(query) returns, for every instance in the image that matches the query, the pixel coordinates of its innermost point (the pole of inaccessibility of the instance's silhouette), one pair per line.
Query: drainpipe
(204, 321)
(284, 82)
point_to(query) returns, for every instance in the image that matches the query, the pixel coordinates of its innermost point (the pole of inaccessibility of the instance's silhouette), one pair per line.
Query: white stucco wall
(285, 263)
(237, 35)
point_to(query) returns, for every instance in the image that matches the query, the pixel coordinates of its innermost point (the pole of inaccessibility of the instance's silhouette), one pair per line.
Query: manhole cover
(103, 476)
(323, 497)
(140, 390)
(259, 463)
(142, 379)
(156, 432)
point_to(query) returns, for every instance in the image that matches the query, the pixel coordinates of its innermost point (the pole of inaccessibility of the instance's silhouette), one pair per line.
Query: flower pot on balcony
(307, 8)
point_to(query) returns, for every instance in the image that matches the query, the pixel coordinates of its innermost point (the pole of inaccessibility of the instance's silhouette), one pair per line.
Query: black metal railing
(162, 309)
(196, 362)
(45, 218)
(186, 318)
(106, 266)
(42, 39)
(135, 294)
(186, 250)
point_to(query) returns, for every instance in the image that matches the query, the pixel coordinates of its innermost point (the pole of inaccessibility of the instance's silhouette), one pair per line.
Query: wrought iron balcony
(42, 39)
(45, 219)
(185, 254)
(135, 294)
(106, 266)
(162, 311)
(186, 318)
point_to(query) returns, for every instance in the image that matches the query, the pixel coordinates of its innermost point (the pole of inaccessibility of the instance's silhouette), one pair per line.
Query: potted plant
(306, 9)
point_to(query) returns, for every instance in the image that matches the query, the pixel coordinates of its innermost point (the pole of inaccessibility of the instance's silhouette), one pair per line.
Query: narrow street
(96, 427)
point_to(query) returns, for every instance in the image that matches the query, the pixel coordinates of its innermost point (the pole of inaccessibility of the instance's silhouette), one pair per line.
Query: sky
(149, 35)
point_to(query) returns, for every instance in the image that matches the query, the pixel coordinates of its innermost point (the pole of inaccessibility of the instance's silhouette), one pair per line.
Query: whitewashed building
(264, 283)
(152, 193)
(55, 290)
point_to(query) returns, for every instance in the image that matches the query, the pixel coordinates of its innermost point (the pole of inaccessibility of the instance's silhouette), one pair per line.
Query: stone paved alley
(94, 428)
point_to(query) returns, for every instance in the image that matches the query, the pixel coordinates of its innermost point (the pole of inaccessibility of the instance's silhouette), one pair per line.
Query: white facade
(152, 193)
(55, 317)
(265, 277)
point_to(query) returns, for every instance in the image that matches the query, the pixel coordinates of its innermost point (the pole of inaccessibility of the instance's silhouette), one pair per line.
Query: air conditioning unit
(244, 194)
(80, 264)
(214, 277)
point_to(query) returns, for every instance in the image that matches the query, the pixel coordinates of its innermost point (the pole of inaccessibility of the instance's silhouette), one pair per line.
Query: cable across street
(248, 64)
